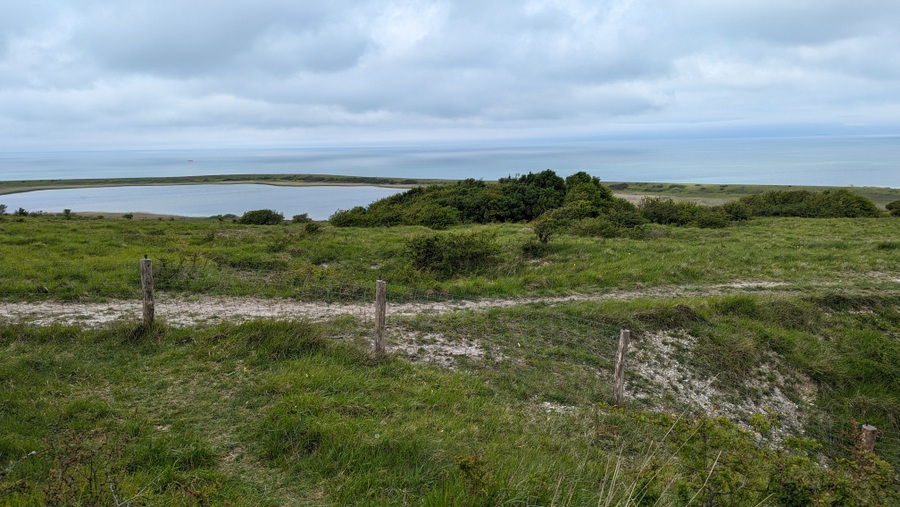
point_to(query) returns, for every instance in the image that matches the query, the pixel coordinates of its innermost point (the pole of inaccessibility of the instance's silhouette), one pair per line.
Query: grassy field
(760, 349)
(91, 259)
(286, 413)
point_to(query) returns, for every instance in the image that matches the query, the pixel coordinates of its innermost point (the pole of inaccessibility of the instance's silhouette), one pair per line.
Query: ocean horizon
(813, 161)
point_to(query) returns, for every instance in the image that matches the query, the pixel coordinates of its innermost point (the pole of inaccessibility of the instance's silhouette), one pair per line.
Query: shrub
(835, 203)
(659, 210)
(2, 209)
(128, 216)
(21, 212)
(356, 217)
(313, 228)
(261, 217)
(737, 210)
(432, 215)
(894, 208)
(447, 255)
(302, 218)
(67, 214)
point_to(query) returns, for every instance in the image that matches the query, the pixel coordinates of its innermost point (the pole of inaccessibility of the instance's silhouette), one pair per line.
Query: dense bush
(449, 254)
(665, 211)
(835, 203)
(894, 208)
(261, 217)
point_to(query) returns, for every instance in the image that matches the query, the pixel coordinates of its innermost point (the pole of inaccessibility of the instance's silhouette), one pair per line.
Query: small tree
(21, 212)
(2, 209)
(67, 214)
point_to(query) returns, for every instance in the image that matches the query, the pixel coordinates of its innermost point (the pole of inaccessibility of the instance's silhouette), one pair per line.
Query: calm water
(199, 200)
(839, 161)
(830, 161)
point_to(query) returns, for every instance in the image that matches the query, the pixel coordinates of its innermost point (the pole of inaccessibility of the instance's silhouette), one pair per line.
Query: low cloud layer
(163, 73)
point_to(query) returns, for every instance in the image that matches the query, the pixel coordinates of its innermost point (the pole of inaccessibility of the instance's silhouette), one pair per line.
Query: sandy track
(181, 311)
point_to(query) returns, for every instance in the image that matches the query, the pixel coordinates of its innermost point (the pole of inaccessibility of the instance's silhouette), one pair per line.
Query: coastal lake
(319, 202)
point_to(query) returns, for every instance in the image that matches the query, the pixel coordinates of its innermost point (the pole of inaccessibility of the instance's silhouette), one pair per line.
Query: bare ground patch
(186, 311)
(659, 370)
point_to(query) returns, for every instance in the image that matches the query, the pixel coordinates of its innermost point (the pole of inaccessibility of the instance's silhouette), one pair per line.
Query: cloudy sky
(160, 73)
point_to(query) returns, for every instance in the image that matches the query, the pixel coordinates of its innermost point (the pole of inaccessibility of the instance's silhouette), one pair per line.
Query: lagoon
(319, 202)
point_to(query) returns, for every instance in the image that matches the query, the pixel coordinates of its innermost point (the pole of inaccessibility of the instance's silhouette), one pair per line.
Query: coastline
(710, 194)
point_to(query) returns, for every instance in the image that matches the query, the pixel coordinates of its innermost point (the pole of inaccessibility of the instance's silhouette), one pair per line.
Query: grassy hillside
(759, 351)
(286, 413)
(92, 259)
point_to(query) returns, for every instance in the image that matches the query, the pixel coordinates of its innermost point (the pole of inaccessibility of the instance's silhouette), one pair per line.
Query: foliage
(262, 217)
(302, 218)
(452, 254)
(830, 203)
(2, 209)
(894, 208)
(662, 210)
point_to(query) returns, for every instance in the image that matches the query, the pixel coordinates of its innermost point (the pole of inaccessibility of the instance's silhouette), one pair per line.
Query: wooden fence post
(624, 337)
(380, 310)
(147, 290)
(869, 433)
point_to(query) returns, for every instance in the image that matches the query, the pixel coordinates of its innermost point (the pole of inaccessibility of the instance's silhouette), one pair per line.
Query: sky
(158, 73)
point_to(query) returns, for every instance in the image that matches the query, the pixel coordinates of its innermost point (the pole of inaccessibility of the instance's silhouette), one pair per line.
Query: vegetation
(287, 412)
(44, 256)
(802, 203)
(262, 217)
(894, 208)
(274, 413)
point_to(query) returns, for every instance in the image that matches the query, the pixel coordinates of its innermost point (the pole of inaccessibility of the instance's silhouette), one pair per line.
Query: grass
(46, 255)
(275, 413)
(296, 412)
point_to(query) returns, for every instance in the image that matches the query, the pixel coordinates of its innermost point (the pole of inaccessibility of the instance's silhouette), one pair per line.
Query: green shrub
(312, 228)
(262, 217)
(2, 209)
(302, 218)
(834, 203)
(894, 208)
(737, 210)
(356, 217)
(447, 255)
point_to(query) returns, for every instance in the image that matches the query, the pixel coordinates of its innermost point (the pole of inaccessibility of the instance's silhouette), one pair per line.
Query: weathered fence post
(147, 290)
(868, 435)
(380, 310)
(624, 337)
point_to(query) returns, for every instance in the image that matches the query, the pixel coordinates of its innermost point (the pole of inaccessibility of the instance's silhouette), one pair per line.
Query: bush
(313, 228)
(2, 209)
(261, 217)
(737, 210)
(894, 208)
(837, 203)
(659, 210)
(302, 218)
(356, 217)
(447, 255)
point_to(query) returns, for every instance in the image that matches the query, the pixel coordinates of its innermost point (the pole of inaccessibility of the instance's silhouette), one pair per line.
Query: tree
(2, 209)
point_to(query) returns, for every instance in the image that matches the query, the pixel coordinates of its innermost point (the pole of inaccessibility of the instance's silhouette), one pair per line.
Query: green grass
(285, 413)
(91, 259)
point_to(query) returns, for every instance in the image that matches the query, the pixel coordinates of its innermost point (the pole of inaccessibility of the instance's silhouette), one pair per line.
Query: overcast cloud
(156, 73)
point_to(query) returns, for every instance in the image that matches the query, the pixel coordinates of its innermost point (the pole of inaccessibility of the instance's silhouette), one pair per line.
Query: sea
(818, 160)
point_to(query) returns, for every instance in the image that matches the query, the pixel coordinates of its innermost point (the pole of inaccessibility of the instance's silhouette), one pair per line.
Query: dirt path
(181, 311)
